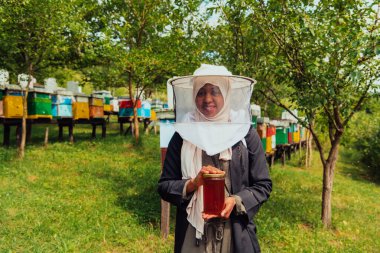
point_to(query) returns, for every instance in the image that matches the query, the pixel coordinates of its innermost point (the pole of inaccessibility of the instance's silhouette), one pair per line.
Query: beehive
(96, 106)
(268, 146)
(62, 104)
(264, 143)
(144, 111)
(12, 102)
(295, 133)
(107, 104)
(114, 104)
(254, 121)
(126, 106)
(290, 135)
(39, 104)
(81, 107)
(1, 103)
(281, 135)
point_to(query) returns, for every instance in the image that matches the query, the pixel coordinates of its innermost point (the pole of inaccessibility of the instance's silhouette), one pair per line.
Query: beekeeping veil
(229, 126)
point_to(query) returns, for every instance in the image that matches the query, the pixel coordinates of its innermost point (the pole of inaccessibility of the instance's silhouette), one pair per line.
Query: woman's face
(209, 100)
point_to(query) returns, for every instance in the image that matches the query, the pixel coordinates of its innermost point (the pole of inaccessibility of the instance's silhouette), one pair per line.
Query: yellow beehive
(1, 108)
(96, 101)
(269, 145)
(296, 137)
(12, 106)
(107, 108)
(81, 110)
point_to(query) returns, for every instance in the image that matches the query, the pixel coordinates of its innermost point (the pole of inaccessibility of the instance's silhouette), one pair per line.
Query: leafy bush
(363, 139)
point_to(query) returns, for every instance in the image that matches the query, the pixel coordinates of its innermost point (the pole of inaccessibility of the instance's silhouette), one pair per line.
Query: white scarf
(191, 155)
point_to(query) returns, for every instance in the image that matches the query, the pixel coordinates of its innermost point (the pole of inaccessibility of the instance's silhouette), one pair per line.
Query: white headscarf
(191, 155)
(224, 86)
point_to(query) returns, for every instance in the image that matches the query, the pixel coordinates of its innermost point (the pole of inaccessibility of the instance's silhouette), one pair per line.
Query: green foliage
(362, 139)
(39, 34)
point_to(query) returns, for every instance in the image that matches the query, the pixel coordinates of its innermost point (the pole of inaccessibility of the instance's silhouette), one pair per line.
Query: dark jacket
(249, 180)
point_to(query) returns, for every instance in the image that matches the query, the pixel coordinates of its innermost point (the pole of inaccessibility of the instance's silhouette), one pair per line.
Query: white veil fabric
(216, 134)
(213, 135)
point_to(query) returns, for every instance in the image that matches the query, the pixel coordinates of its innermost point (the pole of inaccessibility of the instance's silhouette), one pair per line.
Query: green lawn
(100, 196)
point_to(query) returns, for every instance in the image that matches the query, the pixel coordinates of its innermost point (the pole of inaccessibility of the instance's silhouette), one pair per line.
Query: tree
(326, 52)
(147, 41)
(36, 34)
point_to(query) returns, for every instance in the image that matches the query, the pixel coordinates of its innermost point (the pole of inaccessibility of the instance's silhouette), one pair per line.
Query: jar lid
(214, 175)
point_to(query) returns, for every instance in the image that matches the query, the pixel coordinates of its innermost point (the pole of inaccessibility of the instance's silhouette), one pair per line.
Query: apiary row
(65, 104)
(274, 133)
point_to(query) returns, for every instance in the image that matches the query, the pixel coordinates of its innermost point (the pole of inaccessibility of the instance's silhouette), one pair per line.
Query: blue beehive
(62, 104)
(144, 111)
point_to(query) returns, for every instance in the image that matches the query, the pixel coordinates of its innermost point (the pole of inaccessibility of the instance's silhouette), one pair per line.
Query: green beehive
(264, 143)
(107, 100)
(254, 121)
(39, 105)
(281, 136)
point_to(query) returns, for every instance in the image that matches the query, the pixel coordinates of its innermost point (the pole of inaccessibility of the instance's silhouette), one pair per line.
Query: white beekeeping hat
(221, 132)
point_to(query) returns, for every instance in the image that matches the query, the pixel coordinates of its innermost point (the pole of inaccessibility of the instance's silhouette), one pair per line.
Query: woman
(242, 160)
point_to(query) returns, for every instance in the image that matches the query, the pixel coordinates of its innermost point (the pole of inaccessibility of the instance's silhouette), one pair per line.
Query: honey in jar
(213, 193)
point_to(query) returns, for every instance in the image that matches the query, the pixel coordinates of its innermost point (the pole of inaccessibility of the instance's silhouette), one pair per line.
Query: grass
(100, 196)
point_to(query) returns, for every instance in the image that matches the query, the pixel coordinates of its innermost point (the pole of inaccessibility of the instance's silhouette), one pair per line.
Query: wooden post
(121, 128)
(165, 206)
(71, 133)
(60, 132)
(18, 135)
(46, 136)
(104, 129)
(93, 135)
(283, 155)
(28, 131)
(272, 159)
(7, 133)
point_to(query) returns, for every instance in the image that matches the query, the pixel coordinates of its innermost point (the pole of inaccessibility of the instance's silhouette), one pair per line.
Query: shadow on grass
(352, 167)
(82, 133)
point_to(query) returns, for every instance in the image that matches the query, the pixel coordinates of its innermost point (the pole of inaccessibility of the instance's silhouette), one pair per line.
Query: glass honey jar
(213, 193)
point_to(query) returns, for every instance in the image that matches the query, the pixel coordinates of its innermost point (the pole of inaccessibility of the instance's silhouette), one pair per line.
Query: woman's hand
(229, 204)
(198, 180)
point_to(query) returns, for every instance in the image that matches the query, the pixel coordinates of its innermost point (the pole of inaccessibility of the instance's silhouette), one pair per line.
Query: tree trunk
(309, 149)
(328, 179)
(136, 122)
(21, 148)
(134, 103)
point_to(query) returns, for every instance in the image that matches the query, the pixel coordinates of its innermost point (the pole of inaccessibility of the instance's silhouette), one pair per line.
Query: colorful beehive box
(96, 106)
(264, 143)
(81, 107)
(39, 104)
(290, 135)
(62, 104)
(254, 121)
(144, 111)
(106, 95)
(274, 143)
(114, 105)
(126, 106)
(295, 133)
(1, 103)
(107, 104)
(157, 105)
(12, 102)
(270, 132)
(268, 146)
(262, 124)
(281, 135)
